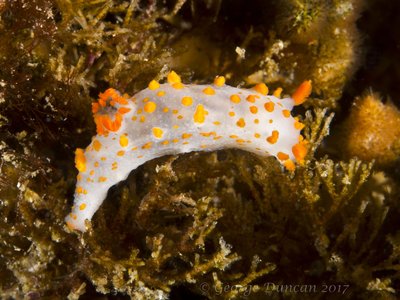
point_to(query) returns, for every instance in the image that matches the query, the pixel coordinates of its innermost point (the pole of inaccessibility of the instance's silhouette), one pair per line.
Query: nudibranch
(173, 118)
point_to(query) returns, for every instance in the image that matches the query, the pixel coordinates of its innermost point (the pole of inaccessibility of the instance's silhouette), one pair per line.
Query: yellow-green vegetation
(372, 130)
(220, 225)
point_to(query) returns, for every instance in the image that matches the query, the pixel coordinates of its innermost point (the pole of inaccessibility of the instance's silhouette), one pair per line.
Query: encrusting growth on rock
(372, 130)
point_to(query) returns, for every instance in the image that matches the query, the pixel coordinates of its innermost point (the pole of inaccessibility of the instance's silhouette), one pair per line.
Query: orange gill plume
(108, 111)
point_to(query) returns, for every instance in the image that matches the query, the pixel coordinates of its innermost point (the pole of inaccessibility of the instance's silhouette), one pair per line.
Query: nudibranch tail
(172, 118)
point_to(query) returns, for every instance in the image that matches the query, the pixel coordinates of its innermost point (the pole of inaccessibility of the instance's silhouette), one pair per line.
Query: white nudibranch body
(175, 118)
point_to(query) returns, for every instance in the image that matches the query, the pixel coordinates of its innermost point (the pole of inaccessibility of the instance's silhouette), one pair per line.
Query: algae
(220, 225)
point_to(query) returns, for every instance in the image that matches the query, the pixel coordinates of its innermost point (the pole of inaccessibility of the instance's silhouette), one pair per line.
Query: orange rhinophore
(302, 92)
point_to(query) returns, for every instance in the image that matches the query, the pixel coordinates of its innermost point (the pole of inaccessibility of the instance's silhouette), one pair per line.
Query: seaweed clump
(372, 130)
(221, 225)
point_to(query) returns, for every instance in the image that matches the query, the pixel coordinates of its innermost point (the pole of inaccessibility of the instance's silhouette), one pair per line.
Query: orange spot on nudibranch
(261, 88)
(241, 123)
(160, 93)
(274, 137)
(80, 160)
(302, 92)
(200, 114)
(157, 132)
(269, 106)
(96, 145)
(187, 101)
(147, 145)
(219, 81)
(208, 134)
(209, 91)
(186, 135)
(277, 93)
(251, 98)
(286, 113)
(253, 109)
(282, 156)
(82, 206)
(172, 78)
(121, 153)
(123, 140)
(231, 113)
(153, 85)
(102, 179)
(150, 107)
(257, 135)
(235, 98)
